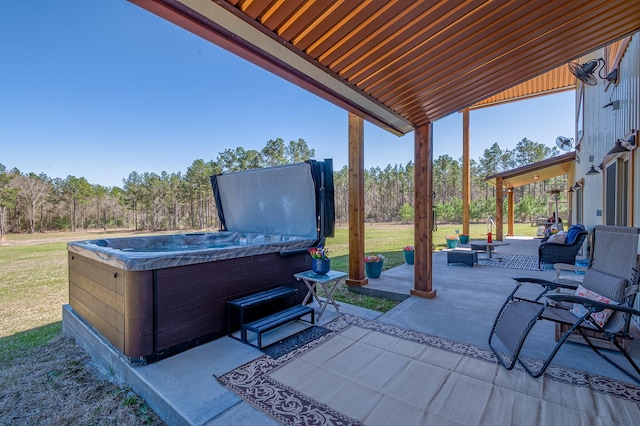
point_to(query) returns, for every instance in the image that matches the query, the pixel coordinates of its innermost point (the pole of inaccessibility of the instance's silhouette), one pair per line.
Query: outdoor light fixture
(576, 186)
(593, 171)
(627, 143)
(617, 148)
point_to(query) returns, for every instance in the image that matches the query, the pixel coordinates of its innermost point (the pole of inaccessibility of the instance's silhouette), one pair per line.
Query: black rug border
(296, 340)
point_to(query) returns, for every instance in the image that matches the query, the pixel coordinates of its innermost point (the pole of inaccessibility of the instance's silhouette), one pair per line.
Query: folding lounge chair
(613, 274)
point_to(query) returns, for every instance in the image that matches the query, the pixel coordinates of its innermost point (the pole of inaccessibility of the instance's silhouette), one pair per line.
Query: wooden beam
(510, 213)
(356, 202)
(499, 209)
(571, 176)
(466, 172)
(423, 220)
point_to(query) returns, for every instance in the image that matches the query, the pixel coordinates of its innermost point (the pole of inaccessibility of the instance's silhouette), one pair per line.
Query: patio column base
(424, 294)
(357, 283)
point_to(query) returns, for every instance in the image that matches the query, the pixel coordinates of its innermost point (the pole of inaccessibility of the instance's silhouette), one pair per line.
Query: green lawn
(34, 275)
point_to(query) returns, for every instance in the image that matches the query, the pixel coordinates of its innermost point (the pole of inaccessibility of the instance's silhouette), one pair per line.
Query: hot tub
(155, 296)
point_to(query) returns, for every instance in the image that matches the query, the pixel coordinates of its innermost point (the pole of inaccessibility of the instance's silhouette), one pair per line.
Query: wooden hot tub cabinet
(148, 315)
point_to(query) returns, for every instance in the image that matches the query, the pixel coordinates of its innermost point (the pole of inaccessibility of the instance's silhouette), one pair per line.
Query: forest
(148, 201)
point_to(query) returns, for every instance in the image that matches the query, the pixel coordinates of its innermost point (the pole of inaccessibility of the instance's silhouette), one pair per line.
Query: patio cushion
(558, 238)
(573, 232)
(610, 286)
(600, 317)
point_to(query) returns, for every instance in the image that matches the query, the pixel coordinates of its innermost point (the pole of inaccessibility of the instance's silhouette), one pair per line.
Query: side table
(328, 282)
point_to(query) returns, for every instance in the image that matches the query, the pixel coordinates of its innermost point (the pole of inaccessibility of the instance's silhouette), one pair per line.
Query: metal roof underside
(542, 170)
(402, 64)
(555, 81)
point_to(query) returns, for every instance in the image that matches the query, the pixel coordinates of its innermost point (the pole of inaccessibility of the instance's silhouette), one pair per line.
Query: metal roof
(557, 80)
(545, 169)
(401, 63)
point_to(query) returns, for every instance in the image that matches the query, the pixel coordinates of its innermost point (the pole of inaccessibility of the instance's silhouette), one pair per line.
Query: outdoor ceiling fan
(564, 143)
(584, 72)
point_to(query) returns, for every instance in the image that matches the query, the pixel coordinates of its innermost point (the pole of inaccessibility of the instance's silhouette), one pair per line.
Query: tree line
(31, 202)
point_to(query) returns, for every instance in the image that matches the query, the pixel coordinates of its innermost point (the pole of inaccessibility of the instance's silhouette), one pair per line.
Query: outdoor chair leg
(624, 353)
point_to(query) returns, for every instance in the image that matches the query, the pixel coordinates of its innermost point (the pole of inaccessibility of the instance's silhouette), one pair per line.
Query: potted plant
(320, 262)
(408, 252)
(452, 241)
(373, 265)
(464, 239)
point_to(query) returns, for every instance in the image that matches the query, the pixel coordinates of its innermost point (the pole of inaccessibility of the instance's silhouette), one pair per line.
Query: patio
(183, 389)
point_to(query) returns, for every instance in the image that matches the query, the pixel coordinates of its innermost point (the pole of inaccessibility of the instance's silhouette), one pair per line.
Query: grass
(36, 362)
(46, 378)
(388, 240)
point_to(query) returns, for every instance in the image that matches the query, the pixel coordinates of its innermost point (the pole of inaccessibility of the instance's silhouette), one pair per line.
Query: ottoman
(467, 257)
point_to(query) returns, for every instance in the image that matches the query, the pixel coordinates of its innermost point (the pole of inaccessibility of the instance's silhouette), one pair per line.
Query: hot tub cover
(295, 199)
(279, 209)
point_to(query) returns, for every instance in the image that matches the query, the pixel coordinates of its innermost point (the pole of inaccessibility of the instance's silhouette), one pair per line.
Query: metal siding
(603, 125)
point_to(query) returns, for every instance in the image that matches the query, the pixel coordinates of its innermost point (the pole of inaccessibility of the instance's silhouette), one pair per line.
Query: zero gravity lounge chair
(602, 303)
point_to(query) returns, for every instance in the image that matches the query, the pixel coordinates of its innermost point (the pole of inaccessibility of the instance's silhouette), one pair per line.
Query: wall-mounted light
(536, 177)
(593, 171)
(576, 186)
(625, 144)
(617, 148)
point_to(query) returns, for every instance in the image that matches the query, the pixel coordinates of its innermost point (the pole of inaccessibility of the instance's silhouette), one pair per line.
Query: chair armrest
(545, 283)
(559, 267)
(588, 303)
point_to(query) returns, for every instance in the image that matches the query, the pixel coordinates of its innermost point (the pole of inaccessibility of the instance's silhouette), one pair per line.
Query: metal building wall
(604, 123)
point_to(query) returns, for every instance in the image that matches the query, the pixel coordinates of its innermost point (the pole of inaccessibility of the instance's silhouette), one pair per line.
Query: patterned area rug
(295, 341)
(367, 372)
(512, 261)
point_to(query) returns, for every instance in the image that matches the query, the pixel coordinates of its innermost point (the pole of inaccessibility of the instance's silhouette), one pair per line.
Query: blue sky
(98, 89)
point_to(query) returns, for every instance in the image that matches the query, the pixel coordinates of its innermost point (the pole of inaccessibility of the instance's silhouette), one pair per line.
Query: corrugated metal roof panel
(557, 80)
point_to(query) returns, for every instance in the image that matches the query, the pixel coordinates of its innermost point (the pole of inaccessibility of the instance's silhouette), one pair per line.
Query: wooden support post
(571, 176)
(423, 220)
(466, 172)
(356, 202)
(510, 213)
(499, 208)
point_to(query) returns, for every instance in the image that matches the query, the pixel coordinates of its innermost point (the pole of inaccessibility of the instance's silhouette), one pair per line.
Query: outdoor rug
(512, 261)
(367, 372)
(288, 344)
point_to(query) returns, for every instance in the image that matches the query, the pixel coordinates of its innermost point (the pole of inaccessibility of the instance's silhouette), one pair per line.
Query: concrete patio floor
(183, 390)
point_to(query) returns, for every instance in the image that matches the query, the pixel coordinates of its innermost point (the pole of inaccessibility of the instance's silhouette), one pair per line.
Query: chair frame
(525, 312)
(544, 312)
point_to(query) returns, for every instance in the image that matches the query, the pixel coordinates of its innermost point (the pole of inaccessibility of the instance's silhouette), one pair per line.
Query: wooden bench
(245, 303)
(467, 257)
(275, 320)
